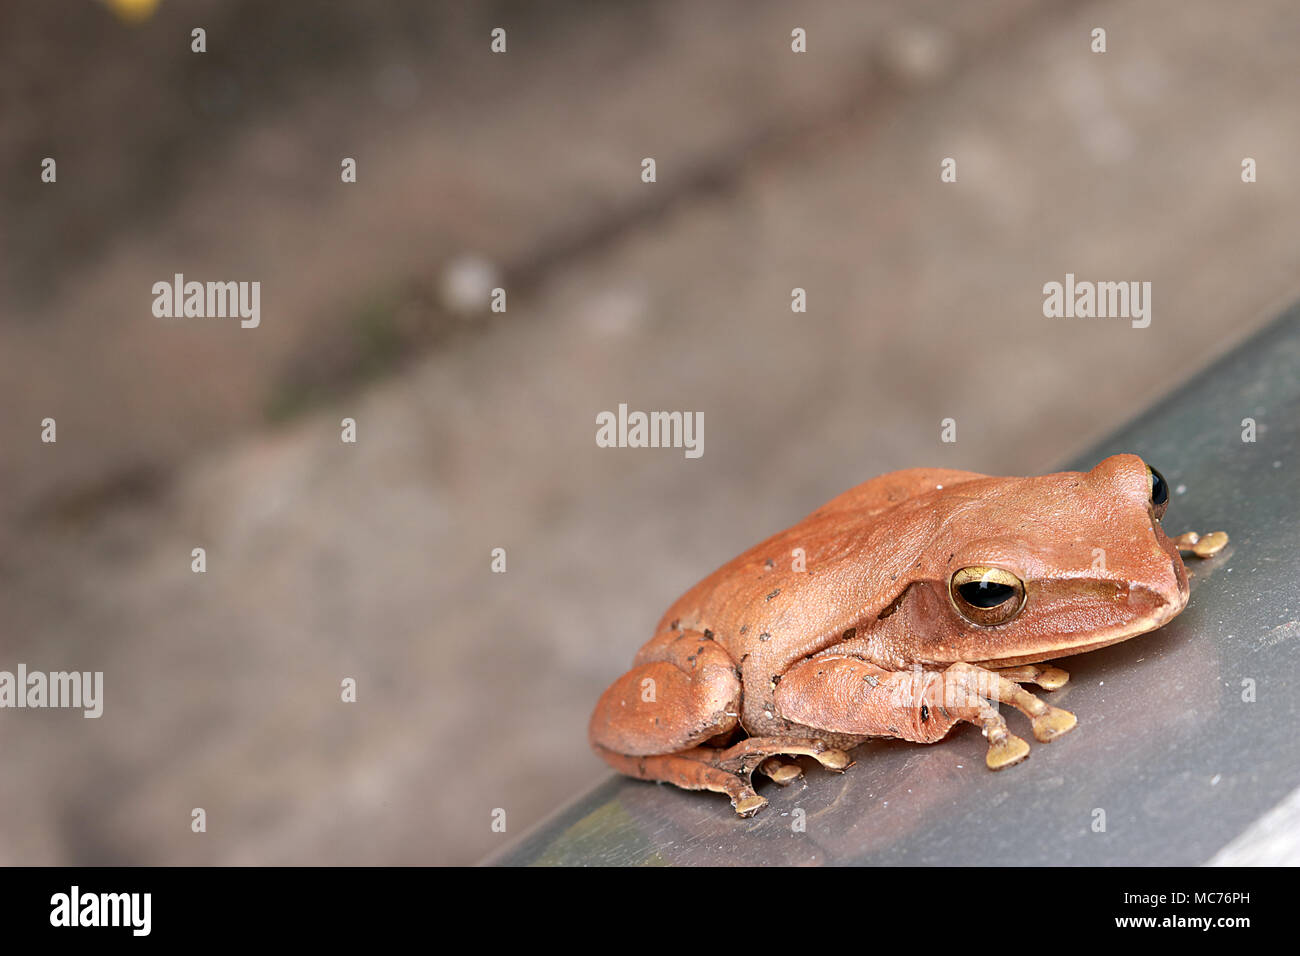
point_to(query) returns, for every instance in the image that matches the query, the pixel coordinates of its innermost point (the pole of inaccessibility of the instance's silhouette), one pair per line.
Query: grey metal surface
(1166, 746)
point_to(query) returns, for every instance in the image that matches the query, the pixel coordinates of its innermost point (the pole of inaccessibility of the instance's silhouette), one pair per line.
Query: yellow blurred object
(133, 11)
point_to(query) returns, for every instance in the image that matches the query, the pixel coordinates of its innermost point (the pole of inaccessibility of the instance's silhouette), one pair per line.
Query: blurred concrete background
(476, 431)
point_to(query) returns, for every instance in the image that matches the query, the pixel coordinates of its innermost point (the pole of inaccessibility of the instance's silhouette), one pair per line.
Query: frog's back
(801, 589)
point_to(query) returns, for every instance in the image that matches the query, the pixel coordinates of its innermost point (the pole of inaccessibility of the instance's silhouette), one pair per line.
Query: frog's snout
(1175, 586)
(1163, 595)
(1180, 578)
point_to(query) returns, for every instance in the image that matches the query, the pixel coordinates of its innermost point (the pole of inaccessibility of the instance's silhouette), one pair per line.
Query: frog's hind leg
(754, 752)
(683, 692)
(690, 772)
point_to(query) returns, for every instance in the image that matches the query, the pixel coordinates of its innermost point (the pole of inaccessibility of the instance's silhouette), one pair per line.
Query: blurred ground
(329, 560)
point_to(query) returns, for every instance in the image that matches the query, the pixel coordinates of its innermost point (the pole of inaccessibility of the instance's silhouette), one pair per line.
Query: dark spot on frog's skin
(944, 710)
(776, 679)
(774, 594)
(708, 635)
(893, 577)
(744, 628)
(765, 636)
(769, 564)
(950, 557)
(673, 625)
(925, 713)
(894, 731)
(850, 634)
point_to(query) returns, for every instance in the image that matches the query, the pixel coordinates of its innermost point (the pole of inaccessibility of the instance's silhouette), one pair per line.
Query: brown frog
(914, 601)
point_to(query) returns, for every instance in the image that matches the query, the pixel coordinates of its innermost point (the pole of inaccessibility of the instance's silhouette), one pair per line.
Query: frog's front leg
(848, 695)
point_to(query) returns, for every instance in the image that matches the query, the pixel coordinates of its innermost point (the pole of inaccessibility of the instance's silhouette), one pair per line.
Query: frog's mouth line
(1168, 613)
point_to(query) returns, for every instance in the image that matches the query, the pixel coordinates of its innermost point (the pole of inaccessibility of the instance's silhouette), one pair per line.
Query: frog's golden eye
(1159, 492)
(987, 596)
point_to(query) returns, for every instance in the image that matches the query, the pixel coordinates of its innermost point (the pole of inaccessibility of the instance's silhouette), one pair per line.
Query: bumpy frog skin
(912, 602)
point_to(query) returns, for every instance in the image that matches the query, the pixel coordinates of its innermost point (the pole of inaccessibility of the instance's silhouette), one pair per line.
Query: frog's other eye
(1159, 492)
(987, 596)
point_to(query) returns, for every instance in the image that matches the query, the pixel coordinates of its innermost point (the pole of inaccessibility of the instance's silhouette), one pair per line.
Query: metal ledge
(1181, 765)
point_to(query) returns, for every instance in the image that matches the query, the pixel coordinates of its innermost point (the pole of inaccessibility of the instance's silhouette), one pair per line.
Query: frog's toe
(836, 760)
(1046, 677)
(1051, 678)
(1053, 722)
(780, 771)
(1203, 546)
(1005, 748)
(1006, 751)
(1210, 545)
(748, 803)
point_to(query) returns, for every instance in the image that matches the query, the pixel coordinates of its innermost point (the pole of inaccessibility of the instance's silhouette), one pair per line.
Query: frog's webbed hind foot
(691, 770)
(1042, 675)
(727, 770)
(748, 804)
(1202, 545)
(754, 751)
(780, 771)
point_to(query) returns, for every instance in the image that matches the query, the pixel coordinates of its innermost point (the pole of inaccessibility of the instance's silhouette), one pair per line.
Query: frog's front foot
(1005, 748)
(973, 692)
(1202, 545)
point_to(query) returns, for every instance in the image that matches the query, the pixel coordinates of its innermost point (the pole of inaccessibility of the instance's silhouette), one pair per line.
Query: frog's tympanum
(911, 602)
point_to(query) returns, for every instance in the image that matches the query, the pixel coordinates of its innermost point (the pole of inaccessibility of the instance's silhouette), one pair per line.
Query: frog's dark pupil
(1159, 490)
(985, 593)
